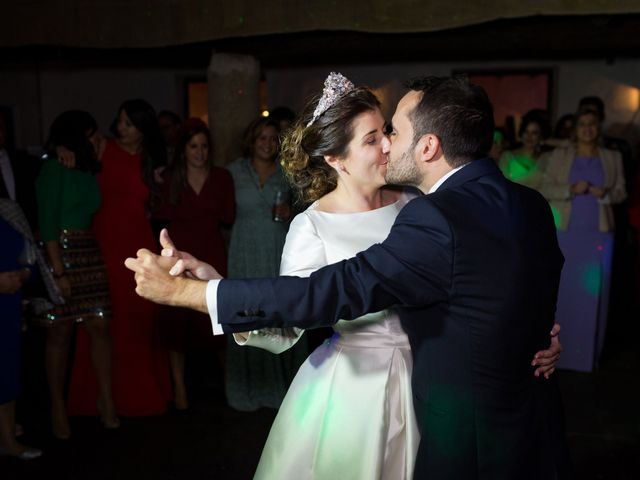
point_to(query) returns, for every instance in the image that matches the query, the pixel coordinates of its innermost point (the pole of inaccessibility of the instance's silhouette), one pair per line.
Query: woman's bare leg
(177, 364)
(8, 443)
(98, 330)
(56, 360)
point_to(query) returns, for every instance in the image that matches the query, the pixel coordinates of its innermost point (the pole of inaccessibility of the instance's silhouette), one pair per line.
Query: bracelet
(58, 275)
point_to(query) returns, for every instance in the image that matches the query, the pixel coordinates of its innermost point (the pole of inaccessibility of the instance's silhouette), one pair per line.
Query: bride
(348, 413)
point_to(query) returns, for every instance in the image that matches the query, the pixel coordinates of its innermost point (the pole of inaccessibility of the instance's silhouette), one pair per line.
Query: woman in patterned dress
(67, 202)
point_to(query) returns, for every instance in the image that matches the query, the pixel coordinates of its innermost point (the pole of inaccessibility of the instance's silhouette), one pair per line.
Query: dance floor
(214, 442)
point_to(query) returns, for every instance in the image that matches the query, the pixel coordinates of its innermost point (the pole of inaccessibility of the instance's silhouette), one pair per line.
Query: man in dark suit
(18, 173)
(475, 266)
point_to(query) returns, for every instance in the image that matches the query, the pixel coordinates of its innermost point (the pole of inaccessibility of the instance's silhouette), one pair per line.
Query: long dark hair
(178, 169)
(154, 153)
(304, 147)
(72, 129)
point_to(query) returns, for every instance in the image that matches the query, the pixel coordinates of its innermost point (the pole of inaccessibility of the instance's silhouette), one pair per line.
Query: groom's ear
(428, 147)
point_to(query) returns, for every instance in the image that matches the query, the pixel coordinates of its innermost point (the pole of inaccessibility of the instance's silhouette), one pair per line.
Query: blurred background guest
(522, 164)
(197, 202)
(623, 274)
(582, 182)
(283, 116)
(13, 274)
(67, 202)
(18, 172)
(596, 104)
(256, 378)
(140, 368)
(564, 127)
(498, 145)
(169, 123)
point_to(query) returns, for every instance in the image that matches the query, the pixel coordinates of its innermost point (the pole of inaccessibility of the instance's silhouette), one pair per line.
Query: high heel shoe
(60, 426)
(25, 453)
(110, 422)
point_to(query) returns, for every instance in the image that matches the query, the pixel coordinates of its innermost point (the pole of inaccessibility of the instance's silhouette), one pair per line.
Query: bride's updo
(304, 147)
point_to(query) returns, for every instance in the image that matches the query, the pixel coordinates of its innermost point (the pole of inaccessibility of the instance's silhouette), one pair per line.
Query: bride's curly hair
(304, 148)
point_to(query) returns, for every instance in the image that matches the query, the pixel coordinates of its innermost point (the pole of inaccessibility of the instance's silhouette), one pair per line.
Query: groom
(475, 267)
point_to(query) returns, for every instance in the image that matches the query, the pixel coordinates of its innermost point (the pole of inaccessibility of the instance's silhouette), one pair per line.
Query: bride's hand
(546, 360)
(194, 268)
(187, 264)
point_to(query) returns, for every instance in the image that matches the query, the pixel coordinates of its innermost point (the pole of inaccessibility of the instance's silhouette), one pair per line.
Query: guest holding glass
(257, 378)
(582, 182)
(197, 202)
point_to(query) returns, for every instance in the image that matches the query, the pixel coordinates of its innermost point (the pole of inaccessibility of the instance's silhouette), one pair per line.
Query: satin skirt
(348, 414)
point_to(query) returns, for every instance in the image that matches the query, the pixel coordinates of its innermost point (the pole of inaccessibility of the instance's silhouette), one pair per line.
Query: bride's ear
(334, 162)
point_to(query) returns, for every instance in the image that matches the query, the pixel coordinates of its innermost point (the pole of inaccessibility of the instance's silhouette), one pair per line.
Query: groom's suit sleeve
(412, 267)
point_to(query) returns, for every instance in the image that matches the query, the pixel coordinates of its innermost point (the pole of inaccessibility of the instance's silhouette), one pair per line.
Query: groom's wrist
(190, 293)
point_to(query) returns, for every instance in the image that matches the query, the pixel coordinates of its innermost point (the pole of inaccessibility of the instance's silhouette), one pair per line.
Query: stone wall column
(233, 85)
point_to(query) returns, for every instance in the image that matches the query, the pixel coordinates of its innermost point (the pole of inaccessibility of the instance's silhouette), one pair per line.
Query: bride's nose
(386, 144)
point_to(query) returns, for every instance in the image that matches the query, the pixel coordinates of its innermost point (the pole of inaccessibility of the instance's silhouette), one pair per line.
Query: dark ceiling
(559, 37)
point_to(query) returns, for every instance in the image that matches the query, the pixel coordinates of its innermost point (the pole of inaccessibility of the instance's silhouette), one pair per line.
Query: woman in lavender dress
(582, 182)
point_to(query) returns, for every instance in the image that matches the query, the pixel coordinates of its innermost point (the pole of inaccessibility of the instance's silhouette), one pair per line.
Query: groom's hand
(153, 280)
(155, 283)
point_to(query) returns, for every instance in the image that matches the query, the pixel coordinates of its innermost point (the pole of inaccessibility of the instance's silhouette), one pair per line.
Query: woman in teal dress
(256, 378)
(67, 202)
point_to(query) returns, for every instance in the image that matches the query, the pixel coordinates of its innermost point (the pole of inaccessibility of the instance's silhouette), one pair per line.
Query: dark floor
(215, 442)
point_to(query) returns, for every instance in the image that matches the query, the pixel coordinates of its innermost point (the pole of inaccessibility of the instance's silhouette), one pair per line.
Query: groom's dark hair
(459, 113)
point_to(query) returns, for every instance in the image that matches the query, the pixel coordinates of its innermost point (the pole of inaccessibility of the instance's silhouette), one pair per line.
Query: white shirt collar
(7, 174)
(444, 177)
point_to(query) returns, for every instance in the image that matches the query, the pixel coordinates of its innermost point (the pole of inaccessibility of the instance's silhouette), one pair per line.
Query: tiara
(335, 86)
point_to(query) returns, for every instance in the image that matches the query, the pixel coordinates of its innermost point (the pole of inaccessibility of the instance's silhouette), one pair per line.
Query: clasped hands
(173, 278)
(582, 186)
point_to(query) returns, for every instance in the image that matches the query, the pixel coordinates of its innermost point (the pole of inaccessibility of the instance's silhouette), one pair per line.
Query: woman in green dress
(67, 202)
(525, 164)
(256, 378)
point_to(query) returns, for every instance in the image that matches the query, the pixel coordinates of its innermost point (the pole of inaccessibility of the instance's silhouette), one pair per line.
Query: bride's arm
(302, 255)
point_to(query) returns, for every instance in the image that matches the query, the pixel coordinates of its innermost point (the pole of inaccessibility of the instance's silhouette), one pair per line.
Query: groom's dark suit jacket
(475, 267)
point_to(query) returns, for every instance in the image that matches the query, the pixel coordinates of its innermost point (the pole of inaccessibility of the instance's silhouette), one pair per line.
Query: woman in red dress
(197, 202)
(121, 226)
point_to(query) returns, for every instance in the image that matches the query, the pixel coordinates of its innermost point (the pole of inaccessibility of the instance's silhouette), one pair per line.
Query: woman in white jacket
(582, 182)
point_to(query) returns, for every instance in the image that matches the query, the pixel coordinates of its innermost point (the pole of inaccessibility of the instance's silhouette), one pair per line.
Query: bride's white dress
(348, 413)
